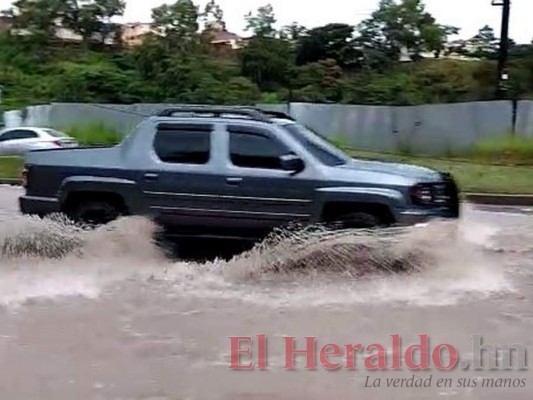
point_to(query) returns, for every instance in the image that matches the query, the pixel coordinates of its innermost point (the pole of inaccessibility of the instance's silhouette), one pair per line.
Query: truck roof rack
(276, 114)
(216, 112)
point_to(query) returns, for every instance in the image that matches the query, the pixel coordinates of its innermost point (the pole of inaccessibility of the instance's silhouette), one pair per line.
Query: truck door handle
(151, 177)
(234, 181)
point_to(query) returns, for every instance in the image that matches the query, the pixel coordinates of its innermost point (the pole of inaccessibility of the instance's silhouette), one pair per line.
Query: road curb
(12, 182)
(499, 199)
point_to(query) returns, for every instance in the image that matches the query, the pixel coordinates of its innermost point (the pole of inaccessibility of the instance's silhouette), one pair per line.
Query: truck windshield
(319, 147)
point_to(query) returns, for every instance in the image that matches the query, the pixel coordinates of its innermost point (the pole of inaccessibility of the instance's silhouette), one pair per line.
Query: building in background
(135, 33)
(67, 35)
(223, 39)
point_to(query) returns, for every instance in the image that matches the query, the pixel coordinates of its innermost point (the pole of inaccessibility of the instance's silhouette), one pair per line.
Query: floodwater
(104, 315)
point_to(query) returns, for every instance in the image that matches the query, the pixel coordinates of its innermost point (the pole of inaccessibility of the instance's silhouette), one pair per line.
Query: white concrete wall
(430, 129)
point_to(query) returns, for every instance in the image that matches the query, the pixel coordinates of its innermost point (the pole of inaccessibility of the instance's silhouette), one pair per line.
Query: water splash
(439, 263)
(32, 237)
(52, 258)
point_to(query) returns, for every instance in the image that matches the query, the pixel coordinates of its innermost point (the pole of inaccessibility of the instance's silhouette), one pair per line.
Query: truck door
(259, 194)
(182, 186)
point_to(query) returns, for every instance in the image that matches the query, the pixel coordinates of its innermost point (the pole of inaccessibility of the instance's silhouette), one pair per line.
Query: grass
(95, 134)
(506, 150)
(10, 167)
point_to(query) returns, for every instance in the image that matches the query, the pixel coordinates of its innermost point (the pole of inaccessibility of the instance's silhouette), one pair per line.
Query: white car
(19, 141)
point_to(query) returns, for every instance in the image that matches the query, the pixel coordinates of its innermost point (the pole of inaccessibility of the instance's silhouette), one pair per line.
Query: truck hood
(394, 169)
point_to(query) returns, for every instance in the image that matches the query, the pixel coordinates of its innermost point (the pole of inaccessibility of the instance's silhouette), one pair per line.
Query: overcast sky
(470, 15)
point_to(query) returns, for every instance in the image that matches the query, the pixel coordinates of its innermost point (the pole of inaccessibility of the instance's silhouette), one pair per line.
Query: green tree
(445, 81)
(151, 58)
(97, 82)
(91, 19)
(262, 23)
(82, 18)
(38, 18)
(393, 88)
(109, 9)
(436, 36)
(334, 41)
(177, 24)
(213, 16)
(403, 25)
(318, 82)
(293, 32)
(240, 90)
(267, 61)
(485, 43)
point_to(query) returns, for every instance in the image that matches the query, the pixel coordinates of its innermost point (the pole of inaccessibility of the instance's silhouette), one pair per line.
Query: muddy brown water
(114, 319)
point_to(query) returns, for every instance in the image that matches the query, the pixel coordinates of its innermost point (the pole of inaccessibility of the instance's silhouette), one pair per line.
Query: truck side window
(251, 149)
(183, 144)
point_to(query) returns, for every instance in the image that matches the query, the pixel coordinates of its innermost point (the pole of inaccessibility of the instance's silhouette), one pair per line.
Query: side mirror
(292, 163)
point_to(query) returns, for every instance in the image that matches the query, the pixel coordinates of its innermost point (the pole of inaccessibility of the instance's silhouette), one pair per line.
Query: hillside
(336, 63)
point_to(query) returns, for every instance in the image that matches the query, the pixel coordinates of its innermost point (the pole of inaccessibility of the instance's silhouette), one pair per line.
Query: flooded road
(114, 319)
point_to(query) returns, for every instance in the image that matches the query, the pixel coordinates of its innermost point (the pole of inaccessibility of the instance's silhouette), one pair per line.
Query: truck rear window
(183, 144)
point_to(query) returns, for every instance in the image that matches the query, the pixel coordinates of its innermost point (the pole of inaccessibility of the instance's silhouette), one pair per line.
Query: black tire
(94, 212)
(356, 220)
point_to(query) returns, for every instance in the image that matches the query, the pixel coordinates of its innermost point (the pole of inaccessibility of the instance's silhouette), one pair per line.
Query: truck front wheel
(355, 220)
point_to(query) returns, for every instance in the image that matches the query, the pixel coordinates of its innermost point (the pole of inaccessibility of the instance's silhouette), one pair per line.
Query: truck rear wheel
(94, 212)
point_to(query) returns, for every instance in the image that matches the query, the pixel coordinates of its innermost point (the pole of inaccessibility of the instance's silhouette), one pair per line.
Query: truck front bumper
(39, 205)
(417, 216)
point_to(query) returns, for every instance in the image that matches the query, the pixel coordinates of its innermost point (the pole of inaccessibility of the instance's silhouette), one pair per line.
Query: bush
(95, 134)
(271, 98)
(506, 150)
(241, 91)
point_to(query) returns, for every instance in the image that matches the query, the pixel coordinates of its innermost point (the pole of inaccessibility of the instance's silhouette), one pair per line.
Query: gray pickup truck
(231, 172)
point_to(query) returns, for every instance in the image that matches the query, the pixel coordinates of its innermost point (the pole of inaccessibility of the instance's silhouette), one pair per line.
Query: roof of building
(222, 36)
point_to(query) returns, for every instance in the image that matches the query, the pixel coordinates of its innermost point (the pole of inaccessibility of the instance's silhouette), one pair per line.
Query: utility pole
(503, 71)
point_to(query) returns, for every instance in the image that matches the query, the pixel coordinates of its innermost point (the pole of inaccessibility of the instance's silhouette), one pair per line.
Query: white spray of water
(439, 264)
(53, 258)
